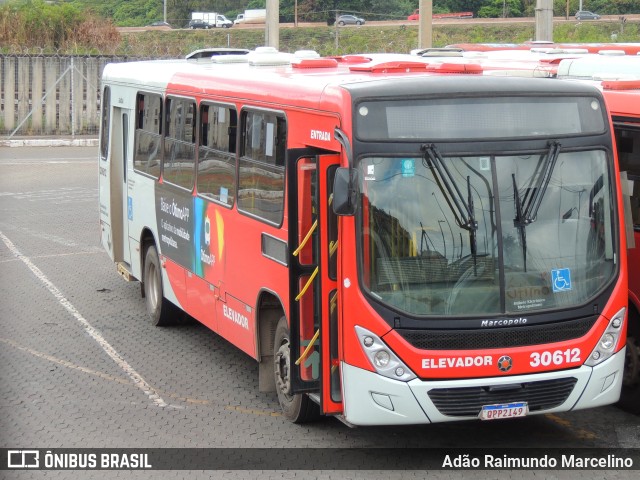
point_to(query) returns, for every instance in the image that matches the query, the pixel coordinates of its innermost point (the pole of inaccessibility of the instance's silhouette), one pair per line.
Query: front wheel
(298, 408)
(160, 310)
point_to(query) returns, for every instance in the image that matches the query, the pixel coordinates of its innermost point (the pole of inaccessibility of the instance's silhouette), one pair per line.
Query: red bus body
(246, 235)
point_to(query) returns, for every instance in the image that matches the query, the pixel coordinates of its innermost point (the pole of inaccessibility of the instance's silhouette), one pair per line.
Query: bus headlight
(608, 341)
(384, 361)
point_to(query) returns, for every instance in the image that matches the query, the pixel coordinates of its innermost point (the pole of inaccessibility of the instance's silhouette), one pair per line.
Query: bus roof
(310, 80)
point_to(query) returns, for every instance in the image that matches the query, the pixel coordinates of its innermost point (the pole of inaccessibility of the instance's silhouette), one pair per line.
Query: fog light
(399, 371)
(608, 341)
(382, 358)
(596, 355)
(368, 341)
(616, 323)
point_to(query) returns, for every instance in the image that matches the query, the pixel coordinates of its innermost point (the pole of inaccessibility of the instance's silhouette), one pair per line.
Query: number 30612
(559, 357)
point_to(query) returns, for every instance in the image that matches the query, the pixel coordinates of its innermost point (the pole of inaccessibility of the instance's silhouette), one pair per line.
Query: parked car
(160, 24)
(198, 23)
(349, 20)
(586, 15)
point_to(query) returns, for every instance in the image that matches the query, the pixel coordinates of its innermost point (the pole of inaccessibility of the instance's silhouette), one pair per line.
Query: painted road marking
(112, 378)
(135, 377)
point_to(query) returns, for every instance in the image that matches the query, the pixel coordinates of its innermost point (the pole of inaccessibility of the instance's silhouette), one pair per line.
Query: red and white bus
(392, 244)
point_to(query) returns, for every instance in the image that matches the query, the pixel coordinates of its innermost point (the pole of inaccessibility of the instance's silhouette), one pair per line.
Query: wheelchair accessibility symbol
(561, 280)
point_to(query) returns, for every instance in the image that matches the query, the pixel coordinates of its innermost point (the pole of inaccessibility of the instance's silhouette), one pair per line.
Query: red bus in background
(393, 242)
(416, 15)
(626, 48)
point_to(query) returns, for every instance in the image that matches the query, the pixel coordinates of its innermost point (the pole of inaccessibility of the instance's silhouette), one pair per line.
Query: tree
(501, 8)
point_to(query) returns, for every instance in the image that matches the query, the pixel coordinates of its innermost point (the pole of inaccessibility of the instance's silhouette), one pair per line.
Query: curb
(41, 142)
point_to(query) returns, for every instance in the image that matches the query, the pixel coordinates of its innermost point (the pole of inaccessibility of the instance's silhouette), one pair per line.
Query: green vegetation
(34, 26)
(143, 12)
(30, 24)
(334, 41)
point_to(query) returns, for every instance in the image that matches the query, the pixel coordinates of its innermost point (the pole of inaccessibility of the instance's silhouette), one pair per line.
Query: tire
(341, 23)
(160, 310)
(298, 408)
(358, 23)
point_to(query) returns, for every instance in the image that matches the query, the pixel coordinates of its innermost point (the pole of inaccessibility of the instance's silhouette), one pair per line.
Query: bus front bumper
(371, 399)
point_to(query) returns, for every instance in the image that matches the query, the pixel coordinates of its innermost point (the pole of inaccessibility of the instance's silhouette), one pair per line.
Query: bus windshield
(486, 235)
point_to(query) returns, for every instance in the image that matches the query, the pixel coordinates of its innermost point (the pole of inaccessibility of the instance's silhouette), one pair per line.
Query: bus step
(123, 270)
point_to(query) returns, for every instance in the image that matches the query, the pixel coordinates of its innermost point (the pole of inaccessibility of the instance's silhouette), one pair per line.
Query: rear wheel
(160, 310)
(298, 408)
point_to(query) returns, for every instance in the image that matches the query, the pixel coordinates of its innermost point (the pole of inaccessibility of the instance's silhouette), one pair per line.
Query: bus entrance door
(313, 264)
(121, 208)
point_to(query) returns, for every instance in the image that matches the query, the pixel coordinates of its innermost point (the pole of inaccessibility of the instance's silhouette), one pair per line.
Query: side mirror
(345, 191)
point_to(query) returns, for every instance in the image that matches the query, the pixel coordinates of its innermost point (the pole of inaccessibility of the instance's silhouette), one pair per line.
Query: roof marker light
(472, 68)
(351, 59)
(621, 84)
(391, 67)
(315, 63)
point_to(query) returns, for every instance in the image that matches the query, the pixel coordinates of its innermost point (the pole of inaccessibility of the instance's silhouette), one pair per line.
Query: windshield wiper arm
(472, 232)
(465, 215)
(527, 214)
(530, 212)
(518, 221)
(463, 211)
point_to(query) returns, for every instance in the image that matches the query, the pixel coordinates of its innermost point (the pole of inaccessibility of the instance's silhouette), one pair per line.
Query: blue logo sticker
(561, 280)
(408, 167)
(130, 208)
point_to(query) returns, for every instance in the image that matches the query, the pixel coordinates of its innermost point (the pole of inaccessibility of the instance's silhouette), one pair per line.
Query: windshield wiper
(530, 212)
(527, 214)
(518, 223)
(462, 209)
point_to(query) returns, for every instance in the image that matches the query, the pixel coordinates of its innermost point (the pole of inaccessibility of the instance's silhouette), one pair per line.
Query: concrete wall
(50, 95)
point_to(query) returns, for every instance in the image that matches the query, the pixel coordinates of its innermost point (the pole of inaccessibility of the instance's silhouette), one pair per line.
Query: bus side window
(216, 157)
(106, 123)
(262, 159)
(179, 143)
(147, 139)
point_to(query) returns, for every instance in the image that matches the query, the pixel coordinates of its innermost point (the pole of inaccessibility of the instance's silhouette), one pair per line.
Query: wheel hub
(282, 362)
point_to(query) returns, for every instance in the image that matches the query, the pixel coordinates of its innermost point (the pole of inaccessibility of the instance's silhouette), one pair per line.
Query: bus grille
(468, 401)
(498, 337)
